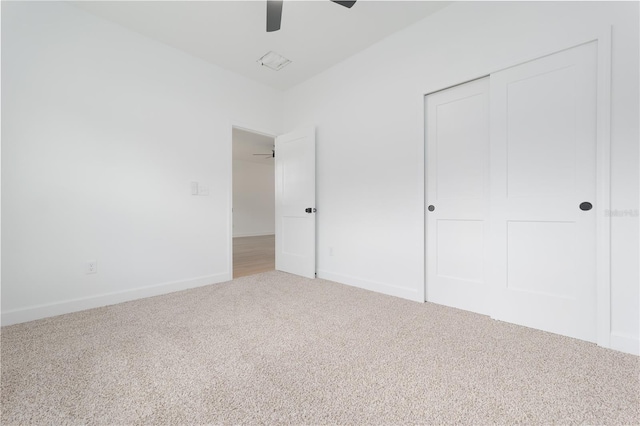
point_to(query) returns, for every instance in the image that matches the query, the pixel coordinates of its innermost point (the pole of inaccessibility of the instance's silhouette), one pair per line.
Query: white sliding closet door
(457, 121)
(543, 188)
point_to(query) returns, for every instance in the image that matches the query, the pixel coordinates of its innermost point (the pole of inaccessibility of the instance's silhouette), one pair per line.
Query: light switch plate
(194, 188)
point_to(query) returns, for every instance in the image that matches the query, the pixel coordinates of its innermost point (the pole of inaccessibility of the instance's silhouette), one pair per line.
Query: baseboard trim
(625, 343)
(379, 287)
(68, 306)
(260, 234)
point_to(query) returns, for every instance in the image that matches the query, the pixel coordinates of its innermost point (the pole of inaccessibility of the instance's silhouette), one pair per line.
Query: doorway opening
(253, 207)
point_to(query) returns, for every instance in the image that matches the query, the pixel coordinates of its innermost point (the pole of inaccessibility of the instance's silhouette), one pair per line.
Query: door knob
(431, 208)
(310, 210)
(586, 206)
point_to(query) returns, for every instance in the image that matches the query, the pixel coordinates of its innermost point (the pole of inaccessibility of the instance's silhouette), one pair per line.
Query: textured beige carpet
(278, 349)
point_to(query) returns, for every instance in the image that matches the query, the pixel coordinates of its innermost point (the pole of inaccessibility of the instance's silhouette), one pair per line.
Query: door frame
(605, 338)
(235, 124)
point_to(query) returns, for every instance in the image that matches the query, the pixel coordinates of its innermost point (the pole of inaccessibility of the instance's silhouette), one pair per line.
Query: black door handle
(310, 210)
(586, 206)
(431, 208)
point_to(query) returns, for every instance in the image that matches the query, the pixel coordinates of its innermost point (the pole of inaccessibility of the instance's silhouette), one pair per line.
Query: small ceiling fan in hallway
(274, 12)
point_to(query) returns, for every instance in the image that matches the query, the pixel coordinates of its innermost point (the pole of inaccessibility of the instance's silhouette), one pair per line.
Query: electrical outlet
(92, 267)
(194, 188)
(203, 190)
(330, 251)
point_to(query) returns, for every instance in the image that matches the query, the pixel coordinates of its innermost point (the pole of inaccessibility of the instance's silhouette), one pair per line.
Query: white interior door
(295, 164)
(457, 121)
(543, 170)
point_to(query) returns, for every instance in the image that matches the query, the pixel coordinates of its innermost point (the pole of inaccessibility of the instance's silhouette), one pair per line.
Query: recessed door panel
(460, 250)
(537, 260)
(458, 172)
(292, 229)
(541, 151)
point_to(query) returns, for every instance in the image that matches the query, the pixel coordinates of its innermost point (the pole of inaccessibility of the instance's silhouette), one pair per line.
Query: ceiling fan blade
(347, 4)
(274, 15)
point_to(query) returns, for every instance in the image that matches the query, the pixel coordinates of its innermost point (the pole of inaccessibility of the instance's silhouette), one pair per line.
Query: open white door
(295, 163)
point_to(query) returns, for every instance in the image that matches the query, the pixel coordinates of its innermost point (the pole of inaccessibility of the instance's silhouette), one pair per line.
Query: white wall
(253, 198)
(103, 130)
(370, 145)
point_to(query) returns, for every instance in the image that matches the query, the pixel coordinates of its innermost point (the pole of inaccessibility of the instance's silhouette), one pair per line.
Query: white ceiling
(245, 144)
(232, 34)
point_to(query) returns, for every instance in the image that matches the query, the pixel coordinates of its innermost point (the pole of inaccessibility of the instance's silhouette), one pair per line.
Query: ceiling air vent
(274, 61)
